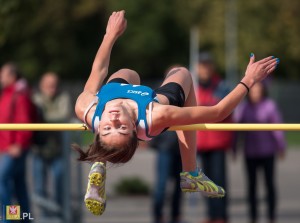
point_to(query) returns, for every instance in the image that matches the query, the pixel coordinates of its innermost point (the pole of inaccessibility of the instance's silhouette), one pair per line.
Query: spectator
(260, 148)
(168, 167)
(54, 107)
(15, 107)
(212, 146)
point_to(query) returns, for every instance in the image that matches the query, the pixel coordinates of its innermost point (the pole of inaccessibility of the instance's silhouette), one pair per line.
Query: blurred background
(63, 37)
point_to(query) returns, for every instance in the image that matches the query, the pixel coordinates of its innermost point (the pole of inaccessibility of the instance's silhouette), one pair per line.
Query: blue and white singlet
(142, 95)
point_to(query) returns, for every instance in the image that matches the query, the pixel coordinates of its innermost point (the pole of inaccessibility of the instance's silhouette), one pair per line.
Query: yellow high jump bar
(202, 127)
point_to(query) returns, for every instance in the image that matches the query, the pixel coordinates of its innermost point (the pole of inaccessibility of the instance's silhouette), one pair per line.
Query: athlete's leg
(128, 75)
(187, 139)
(191, 179)
(95, 196)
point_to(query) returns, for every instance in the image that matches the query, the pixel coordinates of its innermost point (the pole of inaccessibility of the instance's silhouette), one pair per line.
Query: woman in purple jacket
(260, 147)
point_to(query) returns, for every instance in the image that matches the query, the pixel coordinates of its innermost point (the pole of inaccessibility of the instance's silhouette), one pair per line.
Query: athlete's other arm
(256, 72)
(115, 27)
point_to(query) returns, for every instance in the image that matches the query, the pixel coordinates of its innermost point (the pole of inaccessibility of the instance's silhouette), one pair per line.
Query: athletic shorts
(172, 91)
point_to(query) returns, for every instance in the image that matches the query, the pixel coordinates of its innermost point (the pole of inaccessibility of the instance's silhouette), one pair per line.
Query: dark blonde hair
(99, 151)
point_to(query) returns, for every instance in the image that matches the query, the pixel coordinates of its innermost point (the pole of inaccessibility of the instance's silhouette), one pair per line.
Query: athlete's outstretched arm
(115, 27)
(256, 71)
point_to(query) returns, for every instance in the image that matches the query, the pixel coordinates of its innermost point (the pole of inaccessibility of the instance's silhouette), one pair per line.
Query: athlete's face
(116, 125)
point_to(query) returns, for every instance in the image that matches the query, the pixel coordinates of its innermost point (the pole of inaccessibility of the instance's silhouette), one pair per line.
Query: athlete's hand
(259, 70)
(116, 24)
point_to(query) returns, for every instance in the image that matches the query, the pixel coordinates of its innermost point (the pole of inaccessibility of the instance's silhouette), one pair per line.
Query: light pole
(231, 42)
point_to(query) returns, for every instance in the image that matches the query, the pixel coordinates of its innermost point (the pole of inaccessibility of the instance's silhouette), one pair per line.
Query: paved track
(138, 209)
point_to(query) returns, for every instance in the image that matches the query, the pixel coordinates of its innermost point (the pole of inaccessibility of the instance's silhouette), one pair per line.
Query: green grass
(293, 139)
(132, 186)
(87, 138)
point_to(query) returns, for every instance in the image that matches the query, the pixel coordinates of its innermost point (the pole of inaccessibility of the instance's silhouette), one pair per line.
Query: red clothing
(20, 112)
(209, 95)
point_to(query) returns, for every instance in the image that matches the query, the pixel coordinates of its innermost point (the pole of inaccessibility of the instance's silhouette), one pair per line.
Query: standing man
(15, 107)
(168, 167)
(55, 107)
(212, 145)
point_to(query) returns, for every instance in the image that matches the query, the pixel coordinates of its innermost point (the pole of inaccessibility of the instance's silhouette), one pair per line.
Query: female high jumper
(122, 111)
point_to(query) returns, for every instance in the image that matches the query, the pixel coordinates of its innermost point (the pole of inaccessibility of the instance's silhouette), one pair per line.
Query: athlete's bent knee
(182, 70)
(179, 69)
(185, 70)
(132, 74)
(128, 71)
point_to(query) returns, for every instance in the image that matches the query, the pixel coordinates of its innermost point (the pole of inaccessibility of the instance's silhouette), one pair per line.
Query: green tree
(47, 35)
(271, 28)
(154, 39)
(64, 35)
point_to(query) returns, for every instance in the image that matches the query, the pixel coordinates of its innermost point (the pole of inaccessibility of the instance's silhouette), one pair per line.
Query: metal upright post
(79, 200)
(66, 212)
(194, 51)
(231, 42)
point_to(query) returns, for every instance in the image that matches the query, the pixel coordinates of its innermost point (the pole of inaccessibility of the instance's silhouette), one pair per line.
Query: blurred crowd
(20, 104)
(48, 103)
